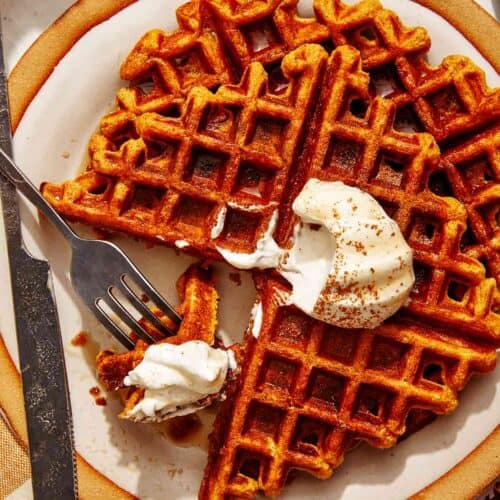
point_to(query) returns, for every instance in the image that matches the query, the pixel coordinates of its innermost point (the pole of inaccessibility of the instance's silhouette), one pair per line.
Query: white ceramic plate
(50, 144)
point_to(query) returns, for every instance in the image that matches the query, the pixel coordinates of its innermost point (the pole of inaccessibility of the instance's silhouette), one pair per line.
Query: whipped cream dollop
(177, 379)
(349, 265)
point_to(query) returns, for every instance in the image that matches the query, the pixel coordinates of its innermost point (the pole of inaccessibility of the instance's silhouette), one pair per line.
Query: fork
(100, 271)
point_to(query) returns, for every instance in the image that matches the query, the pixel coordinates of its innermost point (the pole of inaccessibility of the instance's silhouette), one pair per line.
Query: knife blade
(41, 355)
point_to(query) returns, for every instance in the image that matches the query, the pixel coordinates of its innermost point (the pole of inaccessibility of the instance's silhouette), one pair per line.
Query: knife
(41, 355)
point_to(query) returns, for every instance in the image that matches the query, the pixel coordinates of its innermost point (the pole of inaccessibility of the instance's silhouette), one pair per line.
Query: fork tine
(128, 319)
(156, 298)
(111, 326)
(144, 310)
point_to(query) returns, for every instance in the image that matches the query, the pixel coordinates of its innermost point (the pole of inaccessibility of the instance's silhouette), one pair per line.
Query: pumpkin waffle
(451, 101)
(215, 43)
(309, 390)
(198, 309)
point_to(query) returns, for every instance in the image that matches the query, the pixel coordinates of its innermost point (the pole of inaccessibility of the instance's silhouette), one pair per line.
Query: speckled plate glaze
(59, 90)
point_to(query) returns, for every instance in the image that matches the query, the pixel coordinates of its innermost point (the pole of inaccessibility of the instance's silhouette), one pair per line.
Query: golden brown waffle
(198, 309)
(307, 389)
(215, 42)
(219, 39)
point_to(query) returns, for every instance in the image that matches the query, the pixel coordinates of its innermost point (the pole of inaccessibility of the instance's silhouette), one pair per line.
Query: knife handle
(46, 391)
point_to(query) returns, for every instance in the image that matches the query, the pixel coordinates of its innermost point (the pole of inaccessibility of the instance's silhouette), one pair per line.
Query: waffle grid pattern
(426, 353)
(451, 101)
(312, 388)
(365, 151)
(447, 101)
(309, 388)
(226, 159)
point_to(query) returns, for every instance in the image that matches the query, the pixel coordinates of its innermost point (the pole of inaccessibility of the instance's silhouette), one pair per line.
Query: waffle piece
(215, 42)
(198, 309)
(214, 177)
(395, 168)
(309, 390)
(240, 33)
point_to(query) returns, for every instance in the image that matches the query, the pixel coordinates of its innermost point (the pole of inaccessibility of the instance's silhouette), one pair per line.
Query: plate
(50, 144)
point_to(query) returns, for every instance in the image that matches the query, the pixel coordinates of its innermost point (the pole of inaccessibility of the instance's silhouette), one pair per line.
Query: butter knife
(41, 355)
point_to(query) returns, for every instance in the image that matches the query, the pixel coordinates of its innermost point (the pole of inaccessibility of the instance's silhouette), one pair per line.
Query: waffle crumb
(80, 339)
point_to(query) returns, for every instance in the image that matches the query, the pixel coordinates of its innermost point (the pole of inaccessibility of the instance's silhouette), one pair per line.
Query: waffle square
(309, 391)
(451, 101)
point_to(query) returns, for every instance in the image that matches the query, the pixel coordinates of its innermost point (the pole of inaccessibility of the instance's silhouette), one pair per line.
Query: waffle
(198, 309)
(308, 390)
(215, 43)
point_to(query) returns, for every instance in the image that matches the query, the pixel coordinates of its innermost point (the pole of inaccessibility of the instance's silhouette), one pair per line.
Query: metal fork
(98, 270)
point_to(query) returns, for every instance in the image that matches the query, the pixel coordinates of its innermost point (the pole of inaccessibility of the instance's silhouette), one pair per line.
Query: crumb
(144, 298)
(235, 278)
(80, 339)
(101, 401)
(65, 154)
(95, 391)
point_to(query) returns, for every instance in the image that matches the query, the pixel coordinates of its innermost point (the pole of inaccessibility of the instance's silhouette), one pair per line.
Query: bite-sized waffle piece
(307, 390)
(214, 177)
(198, 309)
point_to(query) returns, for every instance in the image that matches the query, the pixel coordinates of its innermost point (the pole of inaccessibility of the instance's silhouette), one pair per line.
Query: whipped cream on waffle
(256, 318)
(267, 253)
(178, 379)
(349, 265)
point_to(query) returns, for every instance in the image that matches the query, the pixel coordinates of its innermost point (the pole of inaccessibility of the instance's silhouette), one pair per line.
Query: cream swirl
(349, 265)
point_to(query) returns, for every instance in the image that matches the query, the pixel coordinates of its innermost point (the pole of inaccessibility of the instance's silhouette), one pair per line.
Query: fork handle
(16, 176)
